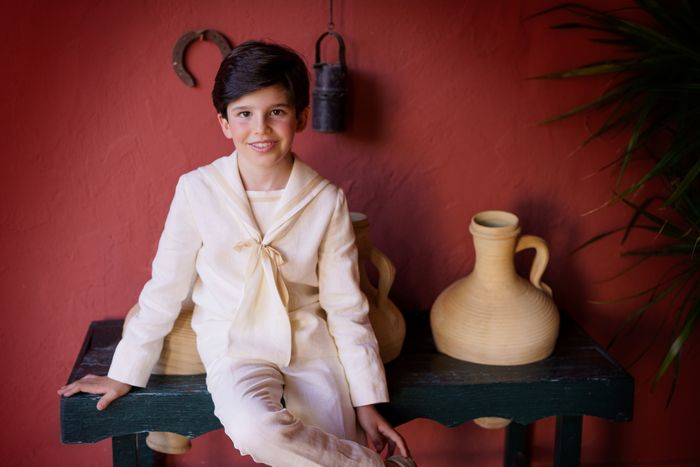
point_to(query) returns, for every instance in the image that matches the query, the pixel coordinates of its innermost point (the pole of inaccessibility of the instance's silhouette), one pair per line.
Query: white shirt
(290, 292)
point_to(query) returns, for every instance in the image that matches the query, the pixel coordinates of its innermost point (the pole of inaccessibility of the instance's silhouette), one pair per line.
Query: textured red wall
(97, 128)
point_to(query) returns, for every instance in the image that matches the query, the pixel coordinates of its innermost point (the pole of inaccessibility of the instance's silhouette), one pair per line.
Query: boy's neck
(265, 178)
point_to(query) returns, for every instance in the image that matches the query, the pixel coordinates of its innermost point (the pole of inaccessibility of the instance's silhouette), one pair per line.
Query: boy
(279, 315)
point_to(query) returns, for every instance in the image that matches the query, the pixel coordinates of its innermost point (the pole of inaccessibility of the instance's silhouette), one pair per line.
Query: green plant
(655, 98)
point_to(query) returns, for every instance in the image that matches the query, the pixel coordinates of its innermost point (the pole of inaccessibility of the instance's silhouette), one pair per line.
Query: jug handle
(539, 264)
(387, 273)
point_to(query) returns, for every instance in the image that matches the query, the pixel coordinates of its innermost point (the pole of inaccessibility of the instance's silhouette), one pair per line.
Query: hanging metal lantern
(330, 90)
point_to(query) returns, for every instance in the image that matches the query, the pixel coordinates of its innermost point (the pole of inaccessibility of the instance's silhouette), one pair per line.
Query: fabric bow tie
(262, 313)
(262, 248)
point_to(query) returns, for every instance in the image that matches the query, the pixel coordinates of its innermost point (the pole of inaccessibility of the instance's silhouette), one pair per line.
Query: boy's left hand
(380, 432)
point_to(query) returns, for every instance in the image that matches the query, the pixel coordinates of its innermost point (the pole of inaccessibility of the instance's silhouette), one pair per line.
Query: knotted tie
(261, 321)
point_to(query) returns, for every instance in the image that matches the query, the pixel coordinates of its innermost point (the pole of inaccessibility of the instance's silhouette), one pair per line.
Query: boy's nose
(260, 124)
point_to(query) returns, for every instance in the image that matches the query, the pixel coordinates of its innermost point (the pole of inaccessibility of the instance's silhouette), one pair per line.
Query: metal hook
(181, 47)
(331, 24)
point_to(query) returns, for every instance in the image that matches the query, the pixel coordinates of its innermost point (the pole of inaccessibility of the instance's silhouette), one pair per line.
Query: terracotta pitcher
(387, 321)
(178, 357)
(493, 316)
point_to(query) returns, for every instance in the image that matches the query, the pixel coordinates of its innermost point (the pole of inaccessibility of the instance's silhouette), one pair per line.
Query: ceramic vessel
(387, 321)
(493, 316)
(178, 357)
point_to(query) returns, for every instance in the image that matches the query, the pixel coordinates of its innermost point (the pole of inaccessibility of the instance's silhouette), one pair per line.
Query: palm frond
(675, 350)
(654, 96)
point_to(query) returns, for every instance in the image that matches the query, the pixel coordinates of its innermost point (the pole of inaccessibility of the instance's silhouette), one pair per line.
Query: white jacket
(290, 294)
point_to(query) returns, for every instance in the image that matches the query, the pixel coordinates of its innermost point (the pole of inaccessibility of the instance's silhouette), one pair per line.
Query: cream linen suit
(278, 315)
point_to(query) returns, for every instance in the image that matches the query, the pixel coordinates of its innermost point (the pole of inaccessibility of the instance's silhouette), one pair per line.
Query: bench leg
(567, 444)
(132, 451)
(517, 446)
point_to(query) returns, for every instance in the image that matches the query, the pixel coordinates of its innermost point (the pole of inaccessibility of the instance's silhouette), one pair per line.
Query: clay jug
(387, 321)
(178, 357)
(493, 316)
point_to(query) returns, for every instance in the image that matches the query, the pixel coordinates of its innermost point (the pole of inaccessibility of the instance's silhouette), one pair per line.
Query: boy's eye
(277, 112)
(244, 114)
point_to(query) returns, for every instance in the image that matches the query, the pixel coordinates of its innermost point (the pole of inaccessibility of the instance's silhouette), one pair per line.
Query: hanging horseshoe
(181, 47)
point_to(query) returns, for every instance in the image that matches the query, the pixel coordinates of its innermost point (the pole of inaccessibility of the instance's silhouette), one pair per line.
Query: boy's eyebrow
(245, 107)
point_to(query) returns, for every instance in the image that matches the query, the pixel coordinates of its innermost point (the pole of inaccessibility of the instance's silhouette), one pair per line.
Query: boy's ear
(225, 127)
(302, 119)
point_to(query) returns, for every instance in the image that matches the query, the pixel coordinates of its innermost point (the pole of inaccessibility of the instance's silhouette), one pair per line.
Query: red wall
(97, 128)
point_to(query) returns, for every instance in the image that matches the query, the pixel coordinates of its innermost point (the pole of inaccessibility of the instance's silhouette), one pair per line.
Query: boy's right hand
(112, 389)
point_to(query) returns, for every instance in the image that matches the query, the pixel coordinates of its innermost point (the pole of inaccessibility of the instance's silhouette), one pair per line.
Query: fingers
(386, 437)
(106, 400)
(380, 433)
(74, 387)
(68, 390)
(109, 388)
(89, 385)
(375, 438)
(395, 440)
(390, 446)
(378, 443)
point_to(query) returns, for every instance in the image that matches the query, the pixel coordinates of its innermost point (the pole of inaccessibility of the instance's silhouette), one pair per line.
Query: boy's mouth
(262, 146)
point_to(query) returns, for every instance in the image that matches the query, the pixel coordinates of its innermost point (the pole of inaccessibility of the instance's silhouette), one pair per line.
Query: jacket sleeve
(162, 296)
(347, 310)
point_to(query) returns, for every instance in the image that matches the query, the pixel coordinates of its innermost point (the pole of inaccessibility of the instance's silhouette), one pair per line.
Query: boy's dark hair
(255, 65)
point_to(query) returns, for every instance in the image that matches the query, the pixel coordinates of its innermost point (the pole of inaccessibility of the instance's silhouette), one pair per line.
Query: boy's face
(262, 125)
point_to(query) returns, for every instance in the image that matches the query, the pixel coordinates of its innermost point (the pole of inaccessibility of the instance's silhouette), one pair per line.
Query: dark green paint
(578, 379)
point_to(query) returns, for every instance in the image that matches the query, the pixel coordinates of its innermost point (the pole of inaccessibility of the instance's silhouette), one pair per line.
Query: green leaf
(638, 212)
(646, 109)
(674, 379)
(685, 184)
(593, 69)
(655, 96)
(668, 160)
(654, 298)
(596, 239)
(662, 226)
(603, 100)
(573, 7)
(675, 349)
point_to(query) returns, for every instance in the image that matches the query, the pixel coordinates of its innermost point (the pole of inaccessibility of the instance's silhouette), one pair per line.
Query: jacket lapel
(303, 185)
(262, 311)
(223, 175)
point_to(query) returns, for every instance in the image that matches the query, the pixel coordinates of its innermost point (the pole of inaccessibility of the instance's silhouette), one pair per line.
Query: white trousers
(316, 426)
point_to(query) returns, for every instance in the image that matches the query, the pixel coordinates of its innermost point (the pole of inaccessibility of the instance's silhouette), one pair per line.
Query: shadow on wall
(541, 217)
(391, 192)
(421, 245)
(544, 218)
(364, 113)
(393, 199)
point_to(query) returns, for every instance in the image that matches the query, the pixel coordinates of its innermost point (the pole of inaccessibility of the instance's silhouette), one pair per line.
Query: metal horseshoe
(181, 47)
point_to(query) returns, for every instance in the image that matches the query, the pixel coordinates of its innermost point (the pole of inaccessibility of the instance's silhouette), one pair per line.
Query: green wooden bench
(579, 379)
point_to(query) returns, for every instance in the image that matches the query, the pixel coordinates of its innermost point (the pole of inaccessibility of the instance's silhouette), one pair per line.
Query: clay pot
(387, 321)
(178, 357)
(493, 316)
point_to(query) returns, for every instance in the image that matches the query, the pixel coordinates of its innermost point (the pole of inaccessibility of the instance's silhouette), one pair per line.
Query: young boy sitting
(282, 329)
